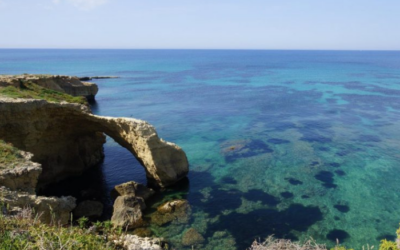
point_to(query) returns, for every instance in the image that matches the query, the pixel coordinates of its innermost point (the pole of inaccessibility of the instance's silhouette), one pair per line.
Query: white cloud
(82, 4)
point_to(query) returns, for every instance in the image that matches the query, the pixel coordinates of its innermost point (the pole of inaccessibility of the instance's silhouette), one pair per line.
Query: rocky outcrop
(135, 189)
(65, 84)
(129, 205)
(128, 212)
(48, 209)
(22, 176)
(67, 139)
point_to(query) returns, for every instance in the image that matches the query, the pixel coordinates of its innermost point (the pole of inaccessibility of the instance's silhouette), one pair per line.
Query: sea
(296, 144)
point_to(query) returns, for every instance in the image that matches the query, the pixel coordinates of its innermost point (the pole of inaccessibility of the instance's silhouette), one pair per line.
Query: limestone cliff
(66, 139)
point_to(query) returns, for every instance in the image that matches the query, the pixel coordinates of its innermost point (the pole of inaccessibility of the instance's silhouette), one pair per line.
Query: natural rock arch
(67, 139)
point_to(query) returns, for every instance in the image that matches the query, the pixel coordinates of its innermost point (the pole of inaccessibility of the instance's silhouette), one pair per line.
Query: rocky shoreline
(61, 139)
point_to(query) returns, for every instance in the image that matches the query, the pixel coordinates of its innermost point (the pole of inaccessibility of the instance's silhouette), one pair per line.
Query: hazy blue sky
(207, 24)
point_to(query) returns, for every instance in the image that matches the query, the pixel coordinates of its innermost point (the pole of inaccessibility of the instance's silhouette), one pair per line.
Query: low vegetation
(23, 231)
(30, 90)
(281, 244)
(9, 155)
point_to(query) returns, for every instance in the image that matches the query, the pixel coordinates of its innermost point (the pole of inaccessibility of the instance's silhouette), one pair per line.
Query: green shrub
(28, 233)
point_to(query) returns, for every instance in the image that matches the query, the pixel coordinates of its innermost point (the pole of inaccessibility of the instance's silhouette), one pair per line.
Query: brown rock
(192, 237)
(128, 212)
(134, 188)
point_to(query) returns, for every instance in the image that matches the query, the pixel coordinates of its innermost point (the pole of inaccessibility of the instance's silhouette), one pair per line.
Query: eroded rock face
(128, 212)
(66, 84)
(134, 188)
(22, 176)
(49, 209)
(67, 139)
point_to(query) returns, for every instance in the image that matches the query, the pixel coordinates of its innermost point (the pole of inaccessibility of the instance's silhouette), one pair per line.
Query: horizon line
(237, 49)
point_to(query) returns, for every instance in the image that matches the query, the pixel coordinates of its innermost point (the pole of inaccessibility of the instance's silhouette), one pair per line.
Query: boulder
(192, 237)
(128, 212)
(176, 211)
(134, 188)
(88, 209)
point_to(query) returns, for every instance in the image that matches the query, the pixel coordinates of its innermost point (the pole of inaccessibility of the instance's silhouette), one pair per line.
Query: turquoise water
(292, 143)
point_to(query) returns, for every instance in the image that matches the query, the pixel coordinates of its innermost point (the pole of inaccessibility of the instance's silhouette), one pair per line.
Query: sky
(201, 24)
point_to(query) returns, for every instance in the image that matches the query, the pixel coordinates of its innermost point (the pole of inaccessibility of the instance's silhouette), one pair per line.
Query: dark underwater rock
(176, 211)
(192, 237)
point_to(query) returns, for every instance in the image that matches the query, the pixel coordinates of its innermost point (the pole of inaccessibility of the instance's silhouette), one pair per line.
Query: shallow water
(292, 143)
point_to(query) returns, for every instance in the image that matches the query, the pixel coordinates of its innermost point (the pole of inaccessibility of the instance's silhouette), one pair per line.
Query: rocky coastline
(58, 139)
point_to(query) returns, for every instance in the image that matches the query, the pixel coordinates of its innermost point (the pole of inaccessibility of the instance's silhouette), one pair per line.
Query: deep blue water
(292, 143)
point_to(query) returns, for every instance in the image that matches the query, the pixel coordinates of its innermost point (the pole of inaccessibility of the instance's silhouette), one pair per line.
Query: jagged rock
(134, 188)
(88, 209)
(133, 242)
(128, 212)
(67, 139)
(48, 209)
(176, 211)
(192, 237)
(66, 84)
(21, 176)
